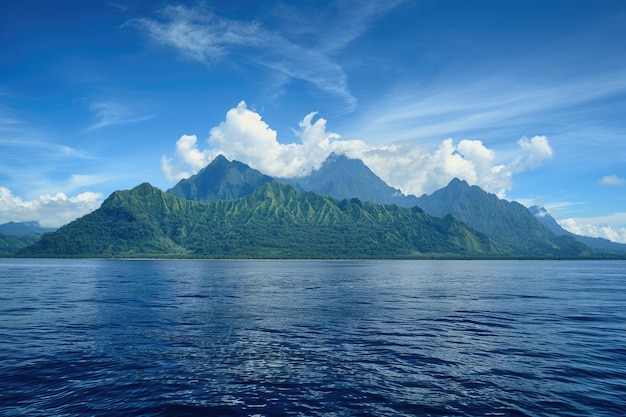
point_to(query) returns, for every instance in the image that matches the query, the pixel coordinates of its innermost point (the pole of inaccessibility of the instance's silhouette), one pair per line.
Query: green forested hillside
(274, 222)
(10, 244)
(17, 235)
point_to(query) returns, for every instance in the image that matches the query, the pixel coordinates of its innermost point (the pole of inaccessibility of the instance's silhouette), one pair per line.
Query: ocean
(312, 338)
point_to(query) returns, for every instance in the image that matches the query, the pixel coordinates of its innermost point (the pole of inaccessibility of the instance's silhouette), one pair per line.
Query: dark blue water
(312, 338)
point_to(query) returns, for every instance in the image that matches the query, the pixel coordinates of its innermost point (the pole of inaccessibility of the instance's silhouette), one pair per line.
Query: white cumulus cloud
(49, 210)
(188, 159)
(245, 137)
(596, 228)
(536, 150)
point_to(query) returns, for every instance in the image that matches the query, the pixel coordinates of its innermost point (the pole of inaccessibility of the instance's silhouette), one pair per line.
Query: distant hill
(509, 223)
(23, 228)
(220, 180)
(17, 235)
(593, 242)
(275, 221)
(342, 177)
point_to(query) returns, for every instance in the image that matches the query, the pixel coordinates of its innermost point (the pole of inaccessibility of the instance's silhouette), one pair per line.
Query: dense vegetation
(229, 210)
(275, 221)
(10, 244)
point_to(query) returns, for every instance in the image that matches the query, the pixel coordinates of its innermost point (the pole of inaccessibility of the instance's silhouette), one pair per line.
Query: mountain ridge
(276, 221)
(24, 228)
(508, 222)
(232, 210)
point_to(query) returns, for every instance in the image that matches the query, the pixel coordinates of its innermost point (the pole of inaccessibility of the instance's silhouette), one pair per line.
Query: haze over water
(342, 338)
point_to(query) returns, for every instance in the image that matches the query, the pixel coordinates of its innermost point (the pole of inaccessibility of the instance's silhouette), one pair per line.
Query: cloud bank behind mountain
(246, 137)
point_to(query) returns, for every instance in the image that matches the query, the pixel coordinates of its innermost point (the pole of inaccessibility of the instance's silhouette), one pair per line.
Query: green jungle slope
(10, 244)
(275, 221)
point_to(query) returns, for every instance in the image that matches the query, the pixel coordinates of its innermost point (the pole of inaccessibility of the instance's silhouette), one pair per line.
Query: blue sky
(524, 98)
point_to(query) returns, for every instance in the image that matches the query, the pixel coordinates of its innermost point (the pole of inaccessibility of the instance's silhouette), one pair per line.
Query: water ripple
(274, 338)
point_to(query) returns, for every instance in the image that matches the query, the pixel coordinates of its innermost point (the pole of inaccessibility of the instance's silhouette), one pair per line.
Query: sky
(526, 99)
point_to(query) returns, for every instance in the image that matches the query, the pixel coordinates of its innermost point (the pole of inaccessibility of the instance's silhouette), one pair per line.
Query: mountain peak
(342, 160)
(220, 180)
(334, 156)
(456, 182)
(508, 222)
(342, 177)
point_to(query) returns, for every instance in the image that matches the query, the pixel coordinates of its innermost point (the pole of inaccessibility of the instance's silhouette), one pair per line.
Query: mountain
(220, 180)
(275, 221)
(230, 210)
(339, 177)
(23, 228)
(15, 236)
(593, 242)
(509, 223)
(342, 177)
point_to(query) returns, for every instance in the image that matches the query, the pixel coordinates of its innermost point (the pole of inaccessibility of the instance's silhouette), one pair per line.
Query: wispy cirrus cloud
(30, 147)
(110, 113)
(491, 105)
(36, 165)
(333, 25)
(204, 36)
(200, 34)
(30, 152)
(355, 18)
